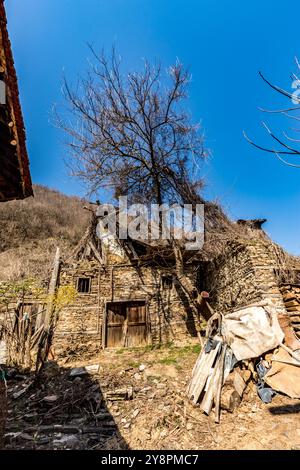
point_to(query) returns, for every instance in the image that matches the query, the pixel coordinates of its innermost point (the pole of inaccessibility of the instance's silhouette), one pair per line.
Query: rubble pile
(68, 409)
(65, 409)
(249, 358)
(138, 400)
(252, 343)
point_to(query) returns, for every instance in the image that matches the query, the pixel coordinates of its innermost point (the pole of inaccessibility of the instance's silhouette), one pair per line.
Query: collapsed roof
(218, 230)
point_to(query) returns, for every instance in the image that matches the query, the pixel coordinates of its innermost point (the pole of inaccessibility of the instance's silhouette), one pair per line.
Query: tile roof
(15, 179)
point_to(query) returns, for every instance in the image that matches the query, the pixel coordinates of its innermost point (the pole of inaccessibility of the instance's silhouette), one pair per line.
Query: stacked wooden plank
(212, 383)
(291, 298)
(207, 379)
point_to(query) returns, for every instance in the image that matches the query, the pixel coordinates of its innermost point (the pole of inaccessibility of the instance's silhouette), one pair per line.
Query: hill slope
(31, 229)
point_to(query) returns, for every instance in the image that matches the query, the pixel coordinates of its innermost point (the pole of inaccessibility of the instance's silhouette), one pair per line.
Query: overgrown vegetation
(28, 317)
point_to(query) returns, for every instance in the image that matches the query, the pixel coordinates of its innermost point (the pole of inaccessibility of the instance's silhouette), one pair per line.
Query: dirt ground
(83, 411)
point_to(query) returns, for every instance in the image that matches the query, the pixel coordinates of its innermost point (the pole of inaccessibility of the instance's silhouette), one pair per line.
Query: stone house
(128, 295)
(129, 292)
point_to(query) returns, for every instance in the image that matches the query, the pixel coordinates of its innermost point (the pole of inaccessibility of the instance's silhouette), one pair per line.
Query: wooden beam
(52, 289)
(104, 321)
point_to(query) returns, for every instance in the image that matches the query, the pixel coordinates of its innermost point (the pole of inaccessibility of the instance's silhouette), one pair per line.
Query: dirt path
(158, 416)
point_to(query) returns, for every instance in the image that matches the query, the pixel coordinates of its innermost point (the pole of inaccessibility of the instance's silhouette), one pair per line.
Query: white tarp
(251, 331)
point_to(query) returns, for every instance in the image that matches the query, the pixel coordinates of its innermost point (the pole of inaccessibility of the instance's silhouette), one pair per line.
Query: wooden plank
(203, 373)
(201, 362)
(197, 367)
(207, 402)
(52, 289)
(137, 331)
(95, 252)
(292, 303)
(116, 315)
(104, 328)
(219, 385)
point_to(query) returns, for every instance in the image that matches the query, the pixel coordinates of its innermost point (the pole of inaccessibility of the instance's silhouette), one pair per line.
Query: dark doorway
(126, 324)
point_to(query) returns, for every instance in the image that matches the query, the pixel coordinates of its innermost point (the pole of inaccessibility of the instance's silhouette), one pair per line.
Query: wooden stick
(286, 362)
(197, 366)
(290, 352)
(52, 288)
(219, 386)
(203, 374)
(208, 399)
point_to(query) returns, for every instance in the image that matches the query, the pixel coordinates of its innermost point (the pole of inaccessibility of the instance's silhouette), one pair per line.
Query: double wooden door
(126, 324)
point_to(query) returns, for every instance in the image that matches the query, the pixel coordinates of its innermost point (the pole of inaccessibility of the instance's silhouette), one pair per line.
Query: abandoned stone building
(128, 295)
(132, 293)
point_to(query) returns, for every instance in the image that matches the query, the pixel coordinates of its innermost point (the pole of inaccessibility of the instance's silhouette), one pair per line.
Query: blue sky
(224, 44)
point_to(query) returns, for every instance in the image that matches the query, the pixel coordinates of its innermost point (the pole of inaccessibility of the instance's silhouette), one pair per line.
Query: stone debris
(50, 399)
(60, 413)
(119, 394)
(113, 411)
(78, 372)
(69, 442)
(135, 413)
(239, 347)
(93, 368)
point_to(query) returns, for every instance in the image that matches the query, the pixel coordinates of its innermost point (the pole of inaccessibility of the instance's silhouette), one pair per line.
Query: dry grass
(31, 229)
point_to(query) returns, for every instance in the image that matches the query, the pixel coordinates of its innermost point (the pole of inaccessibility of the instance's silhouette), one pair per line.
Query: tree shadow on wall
(189, 319)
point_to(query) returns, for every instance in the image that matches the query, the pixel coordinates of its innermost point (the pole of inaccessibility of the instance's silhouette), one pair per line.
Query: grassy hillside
(31, 229)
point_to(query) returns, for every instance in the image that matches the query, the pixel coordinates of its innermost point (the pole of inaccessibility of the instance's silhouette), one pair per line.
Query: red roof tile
(21, 173)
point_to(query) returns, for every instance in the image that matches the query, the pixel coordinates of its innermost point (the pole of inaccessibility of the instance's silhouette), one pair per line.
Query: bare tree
(130, 133)
(285, 146)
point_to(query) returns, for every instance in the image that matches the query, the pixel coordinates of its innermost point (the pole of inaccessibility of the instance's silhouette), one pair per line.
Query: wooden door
(137, 324)
(126, 324)
(116, 315)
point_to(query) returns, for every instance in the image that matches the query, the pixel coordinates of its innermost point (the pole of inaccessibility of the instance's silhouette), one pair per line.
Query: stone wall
(80, 325)
(244, 274)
